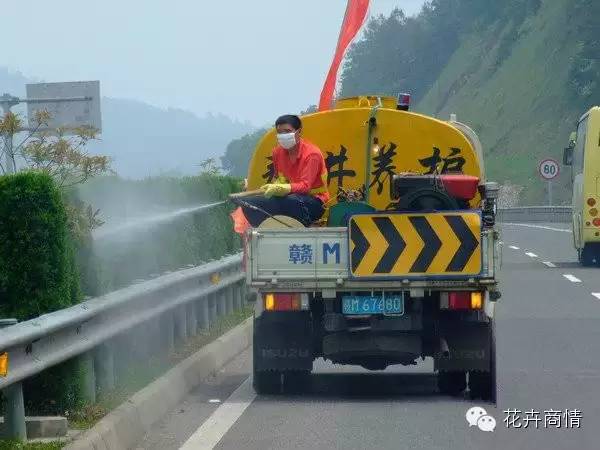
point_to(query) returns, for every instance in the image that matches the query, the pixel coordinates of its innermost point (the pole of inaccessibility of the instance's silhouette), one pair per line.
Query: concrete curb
(127, 425)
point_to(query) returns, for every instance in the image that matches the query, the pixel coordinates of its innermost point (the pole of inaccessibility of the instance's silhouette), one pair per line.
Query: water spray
(151, 220)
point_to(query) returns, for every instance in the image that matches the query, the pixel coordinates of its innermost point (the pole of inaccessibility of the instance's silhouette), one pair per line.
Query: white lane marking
(532, 255)
(225, 416)
(541, 227)
(514, 248)
(571, 278)
(596, 294)
(214, 400)
(550, 264)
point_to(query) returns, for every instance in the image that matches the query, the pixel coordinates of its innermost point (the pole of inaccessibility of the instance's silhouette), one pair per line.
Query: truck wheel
(267, 382)
(296, 381)
(482, 385)
(453, 383)
(587, 257)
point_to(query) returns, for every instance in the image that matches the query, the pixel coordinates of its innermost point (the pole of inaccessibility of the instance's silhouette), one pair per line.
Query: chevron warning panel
(412, 244)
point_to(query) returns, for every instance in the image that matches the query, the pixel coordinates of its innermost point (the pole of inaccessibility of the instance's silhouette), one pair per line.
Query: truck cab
(403, 265)
(583, 155)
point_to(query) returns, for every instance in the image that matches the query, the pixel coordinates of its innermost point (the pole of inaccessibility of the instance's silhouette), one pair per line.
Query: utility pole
(7, 101)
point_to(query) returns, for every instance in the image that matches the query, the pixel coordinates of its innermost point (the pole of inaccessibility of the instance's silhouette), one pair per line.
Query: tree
(53, 152)
(61, 156)
(209, 167)
(239, 153)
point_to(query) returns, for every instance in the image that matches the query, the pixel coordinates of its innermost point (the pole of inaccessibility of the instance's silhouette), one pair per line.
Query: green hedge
(38, 275)
(37, 267)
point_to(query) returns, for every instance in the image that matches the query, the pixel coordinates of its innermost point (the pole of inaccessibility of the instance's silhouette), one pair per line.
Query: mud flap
(283, 341)
(469, 347)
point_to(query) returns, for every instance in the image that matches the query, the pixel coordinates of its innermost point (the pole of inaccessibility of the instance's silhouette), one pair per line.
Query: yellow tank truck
(583, 155)
(402, 266)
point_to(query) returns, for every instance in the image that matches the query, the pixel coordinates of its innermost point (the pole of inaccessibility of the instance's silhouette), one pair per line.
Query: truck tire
(452, 383)
(482, 385)
(587, 256)
(266, 382)
(296, 381)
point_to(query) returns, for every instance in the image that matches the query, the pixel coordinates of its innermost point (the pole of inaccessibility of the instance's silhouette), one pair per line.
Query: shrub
(37, 267)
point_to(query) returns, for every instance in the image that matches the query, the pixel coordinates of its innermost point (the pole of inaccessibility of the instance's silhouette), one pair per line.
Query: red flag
(356, 12)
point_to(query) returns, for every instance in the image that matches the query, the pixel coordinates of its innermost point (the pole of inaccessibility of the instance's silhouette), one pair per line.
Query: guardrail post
(220, 299)
(229, 293)
(104, 362)
(168, 330)
(180, 325)
(202, 308)
(212, 306)
(192, 321)
(86, 365)
(239, 296)
(154, 337)
(15, 405)
(15, 412)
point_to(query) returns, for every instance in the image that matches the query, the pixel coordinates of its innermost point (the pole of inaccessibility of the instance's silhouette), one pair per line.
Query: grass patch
(141, 375)
(16, 445)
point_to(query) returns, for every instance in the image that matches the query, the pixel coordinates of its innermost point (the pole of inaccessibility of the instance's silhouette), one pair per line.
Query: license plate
(357, 305)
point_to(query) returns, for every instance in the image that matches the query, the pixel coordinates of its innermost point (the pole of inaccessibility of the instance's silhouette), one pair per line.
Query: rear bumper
(367, 346)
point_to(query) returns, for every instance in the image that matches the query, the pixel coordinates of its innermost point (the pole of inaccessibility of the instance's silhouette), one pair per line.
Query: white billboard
(71, 105)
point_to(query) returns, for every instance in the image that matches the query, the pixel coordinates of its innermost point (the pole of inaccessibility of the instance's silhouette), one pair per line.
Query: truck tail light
(286, 302)
(591, 202)
(461, 300)
(3, 364)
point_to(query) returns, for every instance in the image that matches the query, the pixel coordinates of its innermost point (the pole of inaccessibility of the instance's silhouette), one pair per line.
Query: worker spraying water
(299, 185)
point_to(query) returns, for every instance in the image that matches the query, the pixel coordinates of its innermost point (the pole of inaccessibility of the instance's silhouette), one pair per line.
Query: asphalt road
(548, 356)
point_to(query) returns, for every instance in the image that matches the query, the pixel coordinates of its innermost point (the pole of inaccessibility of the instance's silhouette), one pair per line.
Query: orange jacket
(307, 173)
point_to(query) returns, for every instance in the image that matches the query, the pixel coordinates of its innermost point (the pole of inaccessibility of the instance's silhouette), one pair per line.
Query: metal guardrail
(111, 330)
(550, 214)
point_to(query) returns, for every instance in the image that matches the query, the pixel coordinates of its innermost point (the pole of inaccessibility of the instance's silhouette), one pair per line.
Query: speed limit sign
(549, 169)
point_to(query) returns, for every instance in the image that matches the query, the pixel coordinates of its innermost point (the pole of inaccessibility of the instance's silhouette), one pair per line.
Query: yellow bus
(583, 155)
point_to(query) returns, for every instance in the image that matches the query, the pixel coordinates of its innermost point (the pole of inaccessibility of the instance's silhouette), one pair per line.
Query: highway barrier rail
(528, 214)
(157, 314)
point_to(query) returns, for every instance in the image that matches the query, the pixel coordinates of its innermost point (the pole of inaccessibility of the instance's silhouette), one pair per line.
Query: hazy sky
(248, 59)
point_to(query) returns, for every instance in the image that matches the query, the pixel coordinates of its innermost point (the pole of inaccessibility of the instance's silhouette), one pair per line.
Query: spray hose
(238, 201)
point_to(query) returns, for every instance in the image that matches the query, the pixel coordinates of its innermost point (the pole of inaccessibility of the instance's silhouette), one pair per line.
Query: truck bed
(302, 259)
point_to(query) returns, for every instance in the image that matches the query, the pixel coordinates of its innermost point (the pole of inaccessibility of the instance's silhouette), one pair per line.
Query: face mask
(287, 140)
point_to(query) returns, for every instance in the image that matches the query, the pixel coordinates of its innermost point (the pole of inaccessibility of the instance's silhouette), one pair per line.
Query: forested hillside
(520, 72)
